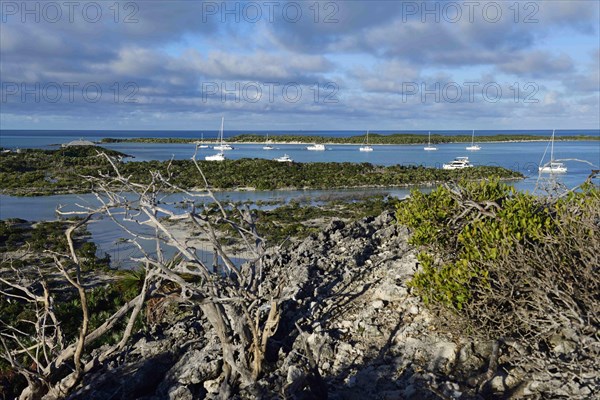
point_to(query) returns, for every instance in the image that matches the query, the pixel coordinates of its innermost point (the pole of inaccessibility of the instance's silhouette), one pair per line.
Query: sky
(300, 65)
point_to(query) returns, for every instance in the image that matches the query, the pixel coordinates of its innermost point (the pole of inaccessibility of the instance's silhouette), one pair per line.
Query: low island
(374, 138)
(44, 172)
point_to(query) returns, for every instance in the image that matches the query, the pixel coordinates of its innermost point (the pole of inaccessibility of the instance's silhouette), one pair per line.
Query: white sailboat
(200, 143)
(219, 156)
(267, 145)
(552, 167)
(429, 147)
(473, 146)
(366, 146)
(223, 146)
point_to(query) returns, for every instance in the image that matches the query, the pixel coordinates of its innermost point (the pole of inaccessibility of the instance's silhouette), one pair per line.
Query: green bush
(486, 244)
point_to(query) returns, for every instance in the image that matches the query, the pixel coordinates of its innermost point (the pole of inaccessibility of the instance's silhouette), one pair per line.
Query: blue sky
(170, 65)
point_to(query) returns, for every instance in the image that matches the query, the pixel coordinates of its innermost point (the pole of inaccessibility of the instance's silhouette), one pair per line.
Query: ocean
(48, 138)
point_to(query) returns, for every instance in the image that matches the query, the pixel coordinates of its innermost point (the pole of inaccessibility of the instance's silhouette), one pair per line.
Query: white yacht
(216, 157)
(284, 158)
(429, 147)
(552, 167)
(222, 145)
(365, 146)
(316, 147)
(473, 146)
(458, 163)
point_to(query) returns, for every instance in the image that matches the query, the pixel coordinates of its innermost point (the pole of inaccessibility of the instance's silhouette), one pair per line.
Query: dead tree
(54, 363)
(241, 305)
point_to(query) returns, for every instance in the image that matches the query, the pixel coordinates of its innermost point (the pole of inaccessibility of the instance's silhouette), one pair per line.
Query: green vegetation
(374, 138)
(506, 262)
(39, 172)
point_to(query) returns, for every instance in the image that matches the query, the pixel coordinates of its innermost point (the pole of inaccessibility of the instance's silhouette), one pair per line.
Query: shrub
(507, 263)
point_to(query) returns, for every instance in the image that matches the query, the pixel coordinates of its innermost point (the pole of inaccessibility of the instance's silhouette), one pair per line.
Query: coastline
(355, 140)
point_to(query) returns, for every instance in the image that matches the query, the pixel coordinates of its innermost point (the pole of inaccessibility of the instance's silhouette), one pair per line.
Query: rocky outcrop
(350, 329)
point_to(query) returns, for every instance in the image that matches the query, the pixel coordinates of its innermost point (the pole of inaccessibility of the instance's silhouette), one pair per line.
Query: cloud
(385, 77)
(586, 81)
(169, 50)
(538, 64)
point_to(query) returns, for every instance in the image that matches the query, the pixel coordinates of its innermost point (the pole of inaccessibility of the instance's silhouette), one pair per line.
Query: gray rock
(377, 304)
(212, 386)
(180, 393)
(195, 366)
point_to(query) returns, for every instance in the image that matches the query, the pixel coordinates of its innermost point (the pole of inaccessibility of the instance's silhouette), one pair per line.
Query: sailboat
(429, 147)
(200, 144)
(473, 146)
(219, 156)
(223, 146)
(366, 146)
(552, 167)
(267, 145)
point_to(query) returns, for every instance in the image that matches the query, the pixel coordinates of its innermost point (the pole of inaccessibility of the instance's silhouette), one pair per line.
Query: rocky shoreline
(350, 329)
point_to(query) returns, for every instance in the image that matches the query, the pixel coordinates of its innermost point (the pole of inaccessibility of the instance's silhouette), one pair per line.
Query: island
(34, 172)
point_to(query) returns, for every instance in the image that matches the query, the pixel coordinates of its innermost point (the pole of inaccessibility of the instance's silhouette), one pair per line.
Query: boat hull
(450, 166)
(553, 170)
(216, 157)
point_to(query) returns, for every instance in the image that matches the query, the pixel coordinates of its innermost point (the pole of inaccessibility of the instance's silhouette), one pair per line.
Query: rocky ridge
(350, 329)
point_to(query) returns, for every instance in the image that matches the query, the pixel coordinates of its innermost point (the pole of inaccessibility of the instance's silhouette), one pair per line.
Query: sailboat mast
(552, 147)
(222, 121)
(473, 138)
